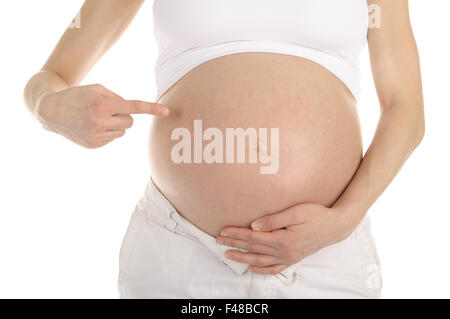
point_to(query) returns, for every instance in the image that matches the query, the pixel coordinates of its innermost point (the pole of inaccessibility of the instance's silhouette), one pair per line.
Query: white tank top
(191, 32)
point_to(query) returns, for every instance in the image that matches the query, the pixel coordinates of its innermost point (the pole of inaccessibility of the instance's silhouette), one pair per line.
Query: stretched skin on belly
(320, 144)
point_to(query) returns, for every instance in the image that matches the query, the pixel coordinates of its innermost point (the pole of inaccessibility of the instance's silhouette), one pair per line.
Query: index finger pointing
(141, 107)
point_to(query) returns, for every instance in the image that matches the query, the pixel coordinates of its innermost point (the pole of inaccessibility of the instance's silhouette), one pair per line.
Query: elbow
(420, 129)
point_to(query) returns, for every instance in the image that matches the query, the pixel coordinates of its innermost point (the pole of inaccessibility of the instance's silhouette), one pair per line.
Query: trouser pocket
(371, 260)
(126, 248)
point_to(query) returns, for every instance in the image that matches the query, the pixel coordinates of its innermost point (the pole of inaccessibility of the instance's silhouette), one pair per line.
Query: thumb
(289, 217)
(273, 222)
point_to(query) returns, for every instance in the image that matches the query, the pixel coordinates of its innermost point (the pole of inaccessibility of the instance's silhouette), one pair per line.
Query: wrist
(44, 108)
(345, 221)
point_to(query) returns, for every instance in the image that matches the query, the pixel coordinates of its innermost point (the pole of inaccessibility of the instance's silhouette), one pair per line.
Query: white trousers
(165, 256)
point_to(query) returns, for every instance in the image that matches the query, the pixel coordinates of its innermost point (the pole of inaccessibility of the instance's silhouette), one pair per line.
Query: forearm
(399, 132)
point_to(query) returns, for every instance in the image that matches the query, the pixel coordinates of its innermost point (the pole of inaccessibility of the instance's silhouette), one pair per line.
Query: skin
(280, 240)
(93, 116)
(320, 145)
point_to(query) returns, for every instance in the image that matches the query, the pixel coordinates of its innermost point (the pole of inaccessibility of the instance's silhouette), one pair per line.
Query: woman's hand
(277, 241)
(91, 116)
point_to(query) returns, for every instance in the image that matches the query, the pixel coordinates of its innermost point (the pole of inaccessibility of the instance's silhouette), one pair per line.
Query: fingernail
(257, 226)
(164, 111)
(229, 255)
(220, 241)
(224, 234)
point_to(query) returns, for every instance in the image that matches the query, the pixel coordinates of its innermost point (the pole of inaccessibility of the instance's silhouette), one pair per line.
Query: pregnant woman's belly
(308, 141)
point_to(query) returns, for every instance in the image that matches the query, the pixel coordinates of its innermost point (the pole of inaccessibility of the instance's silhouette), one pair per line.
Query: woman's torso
(320, 143)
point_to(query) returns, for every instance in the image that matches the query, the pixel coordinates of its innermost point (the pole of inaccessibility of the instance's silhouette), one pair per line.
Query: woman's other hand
(279, 240)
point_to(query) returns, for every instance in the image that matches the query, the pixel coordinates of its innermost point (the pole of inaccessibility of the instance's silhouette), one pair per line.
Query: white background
(64, 209)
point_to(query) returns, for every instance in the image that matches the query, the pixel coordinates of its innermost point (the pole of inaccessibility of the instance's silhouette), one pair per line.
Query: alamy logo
(374, 16)
(76, 22)
(374, 280)
(213, 152)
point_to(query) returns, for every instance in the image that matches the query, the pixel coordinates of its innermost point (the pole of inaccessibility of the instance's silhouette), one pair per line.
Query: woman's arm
(279, 240)
(92, 115)
(396, 71)
(103, 21)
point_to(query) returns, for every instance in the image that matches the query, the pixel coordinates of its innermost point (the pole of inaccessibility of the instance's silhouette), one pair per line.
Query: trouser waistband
(158, 208)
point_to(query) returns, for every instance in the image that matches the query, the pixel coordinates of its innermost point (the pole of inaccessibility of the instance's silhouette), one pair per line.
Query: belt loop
(171, 223)
(288, 279)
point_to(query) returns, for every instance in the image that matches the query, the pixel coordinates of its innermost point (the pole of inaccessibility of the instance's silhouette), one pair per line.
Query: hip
(163, 255)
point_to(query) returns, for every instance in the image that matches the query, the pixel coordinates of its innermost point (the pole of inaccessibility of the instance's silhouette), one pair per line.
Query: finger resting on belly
(250, 247)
